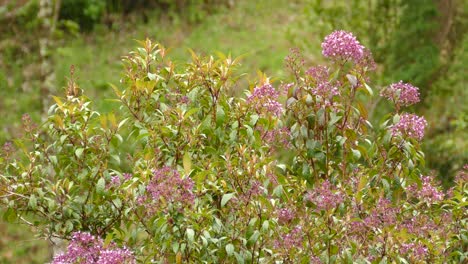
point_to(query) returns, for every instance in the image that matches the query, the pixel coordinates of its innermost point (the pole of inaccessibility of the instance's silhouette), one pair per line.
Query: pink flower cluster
(384, 214)
(264, 100)
(8, 149)
(323, 88)
(401, 94)
(285, 215)
(417, 250)
(410, 125)
(116, 181)
(167, 185)
(428, 191)
(276, 136)
(342, 45)
(315, 260)
(324, 197)
(293, 239)
(367, 61)
(421, 225)
(85, 248)
(462, 175)
(255, 189)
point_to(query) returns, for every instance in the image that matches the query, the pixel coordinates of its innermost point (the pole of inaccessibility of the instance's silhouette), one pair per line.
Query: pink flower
(384, 214)
(410, 125)
(367, 61)
(324, 197)
(418, 250)
(401, 94)
(115, 256)
(462, 176)
(293, 239)
(421, 225)
(323, 88)
(427, 192)
(167, 185)
(276, 136)
(115, 180)
(285, 215)
(264, 100)
(85, 248)
(342, 45)
(127, 176)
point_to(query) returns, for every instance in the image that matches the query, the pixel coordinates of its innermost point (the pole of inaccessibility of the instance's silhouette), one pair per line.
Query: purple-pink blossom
(85, 248)
(401, 94)
(421, 225)
(384, 214)
(325, 197)
(417, 250)
(367, 61)
(264, 99)
(127, 176)
(428, 192)
(115, 180)
(323, 87)
(8, 149)
(285, 215)
(293, 239)
(276, 136)
(114, 256)
(462, 176)
(167, 185)
(410, 125)
(342, 45)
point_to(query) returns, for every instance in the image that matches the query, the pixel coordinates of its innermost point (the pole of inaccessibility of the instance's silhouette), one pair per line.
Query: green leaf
(230, 249)
(220, 116)
(116, 158)
(253, 119)
(254, 237)
(190, 112)
(278, 191)
(79, 152)
(100, 185)
(108, 239)
(333, 119)
(187, 163)
(282, 167)
(32, 202)
(117, 202)
(9, 215)
(356, 153)
(396, 118)
(190, 235)
(58, 101)
(384, 260)
(69, 225)
(369, 89)
(175, 247)
(152, 76)
(352, 79)
(226, 198)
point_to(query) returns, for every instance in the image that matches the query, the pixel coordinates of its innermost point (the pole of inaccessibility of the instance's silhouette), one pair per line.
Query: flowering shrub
(185, 173)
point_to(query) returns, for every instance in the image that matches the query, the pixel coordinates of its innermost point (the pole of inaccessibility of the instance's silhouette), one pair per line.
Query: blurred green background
(420, 41)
